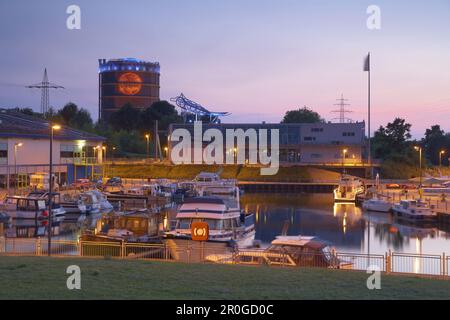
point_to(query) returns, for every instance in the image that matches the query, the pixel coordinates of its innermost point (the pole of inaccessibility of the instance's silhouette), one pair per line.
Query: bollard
(388, 262)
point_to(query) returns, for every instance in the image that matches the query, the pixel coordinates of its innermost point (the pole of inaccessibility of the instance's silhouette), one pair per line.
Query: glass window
(214, 224)
(227, 224)
(184, 223)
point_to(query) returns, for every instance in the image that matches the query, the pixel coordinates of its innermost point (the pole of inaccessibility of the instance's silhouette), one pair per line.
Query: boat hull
(418, 218)
(377, 207)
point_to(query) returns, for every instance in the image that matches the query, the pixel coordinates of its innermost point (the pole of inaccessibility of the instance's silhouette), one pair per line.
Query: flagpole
(368, 117)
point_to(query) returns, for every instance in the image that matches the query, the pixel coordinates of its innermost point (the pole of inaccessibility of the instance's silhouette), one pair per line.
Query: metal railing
(201, 252)
(424, 264)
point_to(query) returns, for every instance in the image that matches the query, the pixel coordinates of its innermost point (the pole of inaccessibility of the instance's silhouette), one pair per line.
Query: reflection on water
(346, 226)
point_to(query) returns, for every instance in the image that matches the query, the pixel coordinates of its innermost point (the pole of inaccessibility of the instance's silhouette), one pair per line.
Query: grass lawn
(45, 278)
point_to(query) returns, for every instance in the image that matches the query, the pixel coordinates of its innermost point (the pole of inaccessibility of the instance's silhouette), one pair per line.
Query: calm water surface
(347, 227)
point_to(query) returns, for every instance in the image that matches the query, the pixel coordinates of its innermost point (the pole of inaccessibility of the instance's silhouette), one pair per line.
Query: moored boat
(377, 204)
(348, 189)
(29, 207)
(224, 217)
(414, 211)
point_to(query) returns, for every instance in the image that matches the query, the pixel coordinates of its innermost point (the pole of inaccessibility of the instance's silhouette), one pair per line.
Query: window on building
(316, 155)
(316, 129)
(348, 134)
(67, 151)
(3, 153)
(309, 138)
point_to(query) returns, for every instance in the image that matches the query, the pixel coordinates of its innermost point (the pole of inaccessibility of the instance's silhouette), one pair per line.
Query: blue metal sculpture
(189, 107)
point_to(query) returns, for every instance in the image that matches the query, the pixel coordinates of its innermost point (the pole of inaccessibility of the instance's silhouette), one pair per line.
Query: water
(347, 227)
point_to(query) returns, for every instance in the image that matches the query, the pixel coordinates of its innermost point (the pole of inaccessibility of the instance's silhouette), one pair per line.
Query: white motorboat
(19, 207)
(105, 205)
(91, 201)
(376, 204)
(414, 210)
(348, 189)
(210, 184)
(225, 220)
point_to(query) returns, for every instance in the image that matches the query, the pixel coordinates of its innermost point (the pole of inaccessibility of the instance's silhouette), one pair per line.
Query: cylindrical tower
(128, 80)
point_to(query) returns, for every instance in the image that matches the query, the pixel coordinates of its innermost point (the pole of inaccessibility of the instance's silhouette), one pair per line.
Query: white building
(25, 149)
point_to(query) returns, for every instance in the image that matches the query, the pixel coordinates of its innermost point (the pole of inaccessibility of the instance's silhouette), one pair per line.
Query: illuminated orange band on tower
(130, 83)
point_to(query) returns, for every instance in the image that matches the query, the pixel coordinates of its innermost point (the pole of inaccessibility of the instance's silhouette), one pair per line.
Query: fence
(200, 252)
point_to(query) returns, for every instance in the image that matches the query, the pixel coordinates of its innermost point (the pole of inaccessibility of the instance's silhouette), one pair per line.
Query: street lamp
(147, 137)
(441, 153)
(50, 187)
(344, 152)
(166, 149)
(16, 145)
(104, 149)
(419, 149)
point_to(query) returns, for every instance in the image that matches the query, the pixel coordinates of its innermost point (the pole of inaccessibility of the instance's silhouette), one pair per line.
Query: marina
(248, 222)
(259, 150)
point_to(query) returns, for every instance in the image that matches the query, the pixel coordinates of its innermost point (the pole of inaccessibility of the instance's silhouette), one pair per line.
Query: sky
(254, 58)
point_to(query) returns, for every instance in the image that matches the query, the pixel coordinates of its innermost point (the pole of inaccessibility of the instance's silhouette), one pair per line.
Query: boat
(295, 251)
(129, 226)
(73, 204)
(70, 206)
(210, 184)
(377, 204)
(348, 189)
(307, 251)
(32, 207)
(224, 217)
(105, 205)
(414, 211)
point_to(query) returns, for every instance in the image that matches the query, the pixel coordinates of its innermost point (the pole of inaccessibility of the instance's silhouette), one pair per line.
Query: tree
(74, 117)
(162, 111)
(302, 115)
(126, 118)
(392, 139)
(434, 141)
(68, 112)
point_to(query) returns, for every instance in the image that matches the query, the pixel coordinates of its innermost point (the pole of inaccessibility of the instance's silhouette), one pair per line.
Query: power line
(45, 85)
(342, 110)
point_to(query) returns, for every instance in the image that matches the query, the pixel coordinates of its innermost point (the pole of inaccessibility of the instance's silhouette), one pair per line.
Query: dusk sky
(253, 58)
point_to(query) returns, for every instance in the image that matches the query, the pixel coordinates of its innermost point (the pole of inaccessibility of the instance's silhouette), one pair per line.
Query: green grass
(285, 174)
(45, 278)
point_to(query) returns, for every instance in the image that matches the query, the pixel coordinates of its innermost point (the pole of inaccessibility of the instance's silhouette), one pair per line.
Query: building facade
(302, 143)
(25, 149)
(128, 80)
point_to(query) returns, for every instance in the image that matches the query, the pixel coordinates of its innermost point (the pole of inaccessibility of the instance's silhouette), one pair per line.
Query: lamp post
(441, 153)
(16, 145)
(166, 149)
(419, 149)
(104, 149)
(50, 187)
(344, 152)
(147, 137)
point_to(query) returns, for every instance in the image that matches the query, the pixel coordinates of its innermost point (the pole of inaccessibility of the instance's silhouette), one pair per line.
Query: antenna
(342, 111)
(45, 94)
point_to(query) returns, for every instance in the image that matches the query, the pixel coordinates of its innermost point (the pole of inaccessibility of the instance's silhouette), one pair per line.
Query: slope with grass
(45, 278)
(242, 173)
